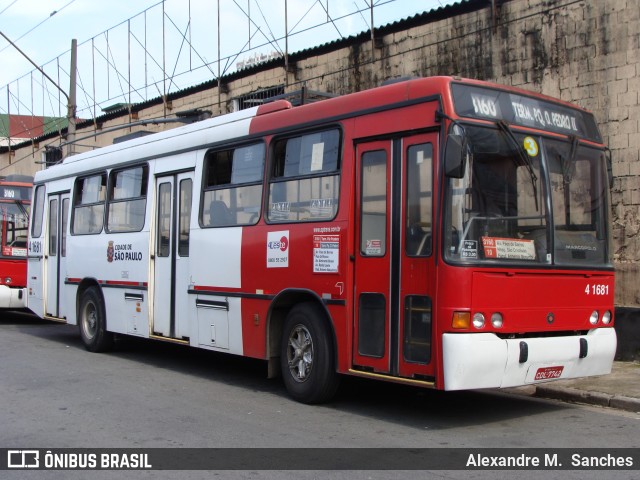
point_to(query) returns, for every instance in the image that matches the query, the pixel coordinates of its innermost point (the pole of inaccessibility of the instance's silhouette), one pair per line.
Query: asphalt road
(145, 394)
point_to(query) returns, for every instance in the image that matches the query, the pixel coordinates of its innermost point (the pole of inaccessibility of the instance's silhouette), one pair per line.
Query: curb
(574, 395)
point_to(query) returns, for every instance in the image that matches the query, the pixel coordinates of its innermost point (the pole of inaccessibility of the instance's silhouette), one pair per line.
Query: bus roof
(271, 117)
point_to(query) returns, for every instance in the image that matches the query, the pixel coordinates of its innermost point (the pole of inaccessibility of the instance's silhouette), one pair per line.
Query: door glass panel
(53, 228)
(418, 236)
(65, 221)
(371, 315)
(184, 216)
(164, 220)
(373, 233)
(417, 329)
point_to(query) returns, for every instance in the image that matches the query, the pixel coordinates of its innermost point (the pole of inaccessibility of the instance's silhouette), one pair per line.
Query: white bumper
(13, 297)
(483, 360)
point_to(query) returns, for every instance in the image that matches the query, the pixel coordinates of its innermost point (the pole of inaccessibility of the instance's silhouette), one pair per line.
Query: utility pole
(286, 45)
(373, 35)
(71, 98)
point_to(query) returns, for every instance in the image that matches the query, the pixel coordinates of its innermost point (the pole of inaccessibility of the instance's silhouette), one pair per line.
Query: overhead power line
(33, 28)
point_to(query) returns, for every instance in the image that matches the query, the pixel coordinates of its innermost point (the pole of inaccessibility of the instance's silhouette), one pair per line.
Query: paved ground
(620, 389)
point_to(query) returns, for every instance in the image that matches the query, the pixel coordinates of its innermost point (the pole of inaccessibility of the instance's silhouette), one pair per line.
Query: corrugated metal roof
(20, 126)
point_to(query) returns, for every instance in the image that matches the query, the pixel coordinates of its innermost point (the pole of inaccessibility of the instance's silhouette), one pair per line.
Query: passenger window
(127, 199)
(38, 209)
(233, 186)
(88, 204)
(305, 185)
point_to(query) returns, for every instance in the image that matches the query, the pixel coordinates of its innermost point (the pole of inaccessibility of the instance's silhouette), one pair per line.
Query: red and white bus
(440, 232)
(15, 202)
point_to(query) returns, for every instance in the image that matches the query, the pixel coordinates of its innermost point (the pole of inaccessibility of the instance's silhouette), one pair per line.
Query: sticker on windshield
(469, 249)
(511, 248)
(531, 146)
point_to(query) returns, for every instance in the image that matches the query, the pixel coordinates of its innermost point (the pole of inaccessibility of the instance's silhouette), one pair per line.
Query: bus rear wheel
(93, 322)
(307, 355)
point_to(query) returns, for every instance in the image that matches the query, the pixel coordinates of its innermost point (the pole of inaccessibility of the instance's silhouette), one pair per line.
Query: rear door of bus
(171, 278)
(55, 253)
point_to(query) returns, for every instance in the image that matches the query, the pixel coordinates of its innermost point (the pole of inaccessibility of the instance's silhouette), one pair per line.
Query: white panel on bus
(215, 257)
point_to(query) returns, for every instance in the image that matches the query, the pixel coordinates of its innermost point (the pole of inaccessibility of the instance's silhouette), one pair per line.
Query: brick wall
(586, 52)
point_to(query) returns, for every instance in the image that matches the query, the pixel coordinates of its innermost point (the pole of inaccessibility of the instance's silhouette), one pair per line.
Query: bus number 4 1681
(596, 289)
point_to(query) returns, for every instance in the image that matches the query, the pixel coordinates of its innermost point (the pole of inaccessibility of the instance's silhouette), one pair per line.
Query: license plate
(548, 373)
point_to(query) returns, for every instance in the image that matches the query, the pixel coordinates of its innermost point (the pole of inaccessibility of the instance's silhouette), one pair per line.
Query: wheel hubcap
(300, 353)
(90, 320)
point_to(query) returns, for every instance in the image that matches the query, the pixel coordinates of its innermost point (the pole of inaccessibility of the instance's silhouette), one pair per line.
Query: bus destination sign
(14, 193)
(490, 104)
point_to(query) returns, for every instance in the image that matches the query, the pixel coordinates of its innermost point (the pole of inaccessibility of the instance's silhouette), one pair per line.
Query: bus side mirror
(455, 156)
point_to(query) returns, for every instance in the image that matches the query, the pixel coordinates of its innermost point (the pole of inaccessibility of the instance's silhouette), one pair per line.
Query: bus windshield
(15, 223)
(528, 200)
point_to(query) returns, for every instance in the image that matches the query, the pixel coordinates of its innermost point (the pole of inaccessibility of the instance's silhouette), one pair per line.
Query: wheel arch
(280, 307)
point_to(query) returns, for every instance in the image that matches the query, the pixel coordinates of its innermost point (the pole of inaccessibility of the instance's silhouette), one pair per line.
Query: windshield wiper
(568, 164)
(22, 209)
(526, 161)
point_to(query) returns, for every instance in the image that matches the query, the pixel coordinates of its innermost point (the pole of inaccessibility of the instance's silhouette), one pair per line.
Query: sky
(120, 53)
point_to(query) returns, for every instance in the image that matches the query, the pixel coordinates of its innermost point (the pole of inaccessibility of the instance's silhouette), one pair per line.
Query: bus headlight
(478, 320)
(496, 320)
(593, 319)
(606, 317)
(8, 280)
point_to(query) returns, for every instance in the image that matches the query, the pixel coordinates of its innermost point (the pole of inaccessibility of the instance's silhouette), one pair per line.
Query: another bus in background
(15, 202)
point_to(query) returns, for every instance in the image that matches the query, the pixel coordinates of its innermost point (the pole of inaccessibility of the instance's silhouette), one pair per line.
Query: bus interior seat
(219, 214)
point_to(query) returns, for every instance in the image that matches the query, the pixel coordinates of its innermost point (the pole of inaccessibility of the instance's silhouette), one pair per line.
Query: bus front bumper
(13, 297)
(483, 360)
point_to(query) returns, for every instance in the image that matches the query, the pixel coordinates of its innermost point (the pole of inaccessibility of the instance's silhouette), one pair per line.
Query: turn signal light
(461, 320)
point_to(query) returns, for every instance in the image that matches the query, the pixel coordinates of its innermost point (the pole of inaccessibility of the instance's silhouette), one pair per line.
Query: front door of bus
(394, 262)
(55, 254)
(171, 278)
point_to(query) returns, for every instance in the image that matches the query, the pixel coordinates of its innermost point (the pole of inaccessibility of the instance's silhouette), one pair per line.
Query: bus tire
(93, 322)
(307, 355)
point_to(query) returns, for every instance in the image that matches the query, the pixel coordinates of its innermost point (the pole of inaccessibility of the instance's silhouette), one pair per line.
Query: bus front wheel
(93, 323)
(307, 355)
